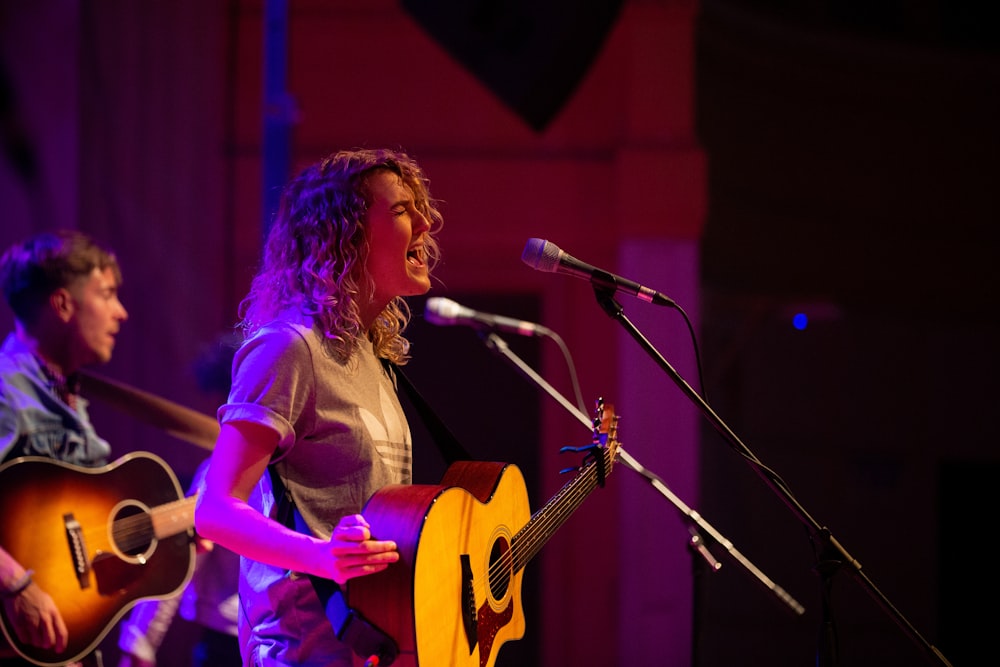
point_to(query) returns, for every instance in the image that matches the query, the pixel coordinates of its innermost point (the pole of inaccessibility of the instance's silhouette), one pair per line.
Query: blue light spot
(800, 321)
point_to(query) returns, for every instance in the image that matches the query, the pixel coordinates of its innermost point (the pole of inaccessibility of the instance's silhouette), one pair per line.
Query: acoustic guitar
(98, 539)
(454, 597)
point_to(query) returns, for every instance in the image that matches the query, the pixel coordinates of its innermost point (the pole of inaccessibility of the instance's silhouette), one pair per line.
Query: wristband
(18, 587)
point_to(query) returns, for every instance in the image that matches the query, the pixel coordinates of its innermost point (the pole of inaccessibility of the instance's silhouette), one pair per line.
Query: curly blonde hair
(314, 256)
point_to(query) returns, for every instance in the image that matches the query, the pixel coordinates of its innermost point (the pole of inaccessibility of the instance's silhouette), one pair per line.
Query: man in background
(63, 290)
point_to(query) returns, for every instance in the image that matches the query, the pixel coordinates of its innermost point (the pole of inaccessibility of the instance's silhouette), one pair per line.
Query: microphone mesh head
(541, 255)
(439, 310)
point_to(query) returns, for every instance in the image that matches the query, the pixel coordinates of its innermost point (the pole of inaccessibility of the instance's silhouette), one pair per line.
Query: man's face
(95, 316)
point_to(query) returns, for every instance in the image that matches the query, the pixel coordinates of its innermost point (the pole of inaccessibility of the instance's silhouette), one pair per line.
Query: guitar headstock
(603, 448)
(606, 431)
(605, 440)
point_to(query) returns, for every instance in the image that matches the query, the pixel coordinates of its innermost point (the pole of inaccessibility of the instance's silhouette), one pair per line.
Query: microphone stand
(696, 523)
(832, 555)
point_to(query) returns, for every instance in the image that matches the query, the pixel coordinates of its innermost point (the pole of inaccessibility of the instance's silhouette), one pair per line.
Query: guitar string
(135, 530)
(525, 546)
(588, 480)
(545, 523)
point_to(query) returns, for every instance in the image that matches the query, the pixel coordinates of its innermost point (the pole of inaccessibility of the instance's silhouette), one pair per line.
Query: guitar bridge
(77, 549)
(468, 605)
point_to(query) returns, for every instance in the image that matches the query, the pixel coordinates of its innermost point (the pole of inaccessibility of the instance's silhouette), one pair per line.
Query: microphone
(544, 256)
(445, 312)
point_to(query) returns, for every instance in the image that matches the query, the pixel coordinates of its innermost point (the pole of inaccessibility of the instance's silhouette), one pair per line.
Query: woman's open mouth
(415, 256)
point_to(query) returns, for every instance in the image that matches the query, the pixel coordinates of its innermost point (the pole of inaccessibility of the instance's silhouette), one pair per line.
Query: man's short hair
(31, 270)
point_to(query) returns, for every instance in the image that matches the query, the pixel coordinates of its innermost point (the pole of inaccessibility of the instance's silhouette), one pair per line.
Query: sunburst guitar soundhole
(132, 531)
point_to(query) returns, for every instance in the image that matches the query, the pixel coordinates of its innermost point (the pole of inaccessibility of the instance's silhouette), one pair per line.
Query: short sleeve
(273, 383)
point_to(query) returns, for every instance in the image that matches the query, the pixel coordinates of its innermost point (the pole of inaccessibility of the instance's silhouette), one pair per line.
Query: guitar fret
(173, 518)
(538, 530)
(528, 542)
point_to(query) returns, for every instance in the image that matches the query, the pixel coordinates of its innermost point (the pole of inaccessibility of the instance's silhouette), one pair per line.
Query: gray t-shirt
(342, 436)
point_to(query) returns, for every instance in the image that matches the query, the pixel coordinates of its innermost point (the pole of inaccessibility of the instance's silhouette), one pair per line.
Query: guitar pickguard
(490, 624)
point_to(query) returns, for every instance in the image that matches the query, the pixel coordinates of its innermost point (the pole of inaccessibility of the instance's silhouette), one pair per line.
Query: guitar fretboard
(543, 524)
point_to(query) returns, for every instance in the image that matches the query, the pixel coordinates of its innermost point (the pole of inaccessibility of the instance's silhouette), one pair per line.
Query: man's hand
(36, 620)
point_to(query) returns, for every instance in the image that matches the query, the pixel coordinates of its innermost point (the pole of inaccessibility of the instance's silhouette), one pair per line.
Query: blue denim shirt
(35, 421)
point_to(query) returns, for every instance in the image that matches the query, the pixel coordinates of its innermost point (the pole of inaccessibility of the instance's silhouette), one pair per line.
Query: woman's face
(396, 231)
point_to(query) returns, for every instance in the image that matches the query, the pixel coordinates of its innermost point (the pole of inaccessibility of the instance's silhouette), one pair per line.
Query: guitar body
(441, 602)
(93, 542)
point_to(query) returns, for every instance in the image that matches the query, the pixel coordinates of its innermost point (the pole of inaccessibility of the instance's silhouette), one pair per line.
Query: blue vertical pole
(277, 108)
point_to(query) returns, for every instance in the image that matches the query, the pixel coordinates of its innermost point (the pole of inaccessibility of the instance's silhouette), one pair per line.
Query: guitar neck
(173, 518)
(545, 522)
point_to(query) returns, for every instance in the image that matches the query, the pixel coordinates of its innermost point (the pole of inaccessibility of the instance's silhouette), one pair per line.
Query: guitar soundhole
(132, 531)
(500, 568)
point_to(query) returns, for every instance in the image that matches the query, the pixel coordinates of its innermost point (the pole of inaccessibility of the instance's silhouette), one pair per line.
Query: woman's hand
(355, 553)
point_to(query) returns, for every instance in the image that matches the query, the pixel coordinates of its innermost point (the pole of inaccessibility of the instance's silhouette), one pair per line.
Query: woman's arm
(222, 515)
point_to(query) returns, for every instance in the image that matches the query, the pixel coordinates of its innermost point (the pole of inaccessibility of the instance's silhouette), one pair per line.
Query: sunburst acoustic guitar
(98, 539)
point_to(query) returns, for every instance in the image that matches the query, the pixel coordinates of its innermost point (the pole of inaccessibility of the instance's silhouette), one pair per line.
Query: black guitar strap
(351, 627)
(451, 449)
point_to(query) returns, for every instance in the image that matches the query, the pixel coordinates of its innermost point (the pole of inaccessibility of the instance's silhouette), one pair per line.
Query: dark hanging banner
(15, 146)
(530, 53)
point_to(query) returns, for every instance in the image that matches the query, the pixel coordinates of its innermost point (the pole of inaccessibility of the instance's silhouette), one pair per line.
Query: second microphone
(445, 312)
